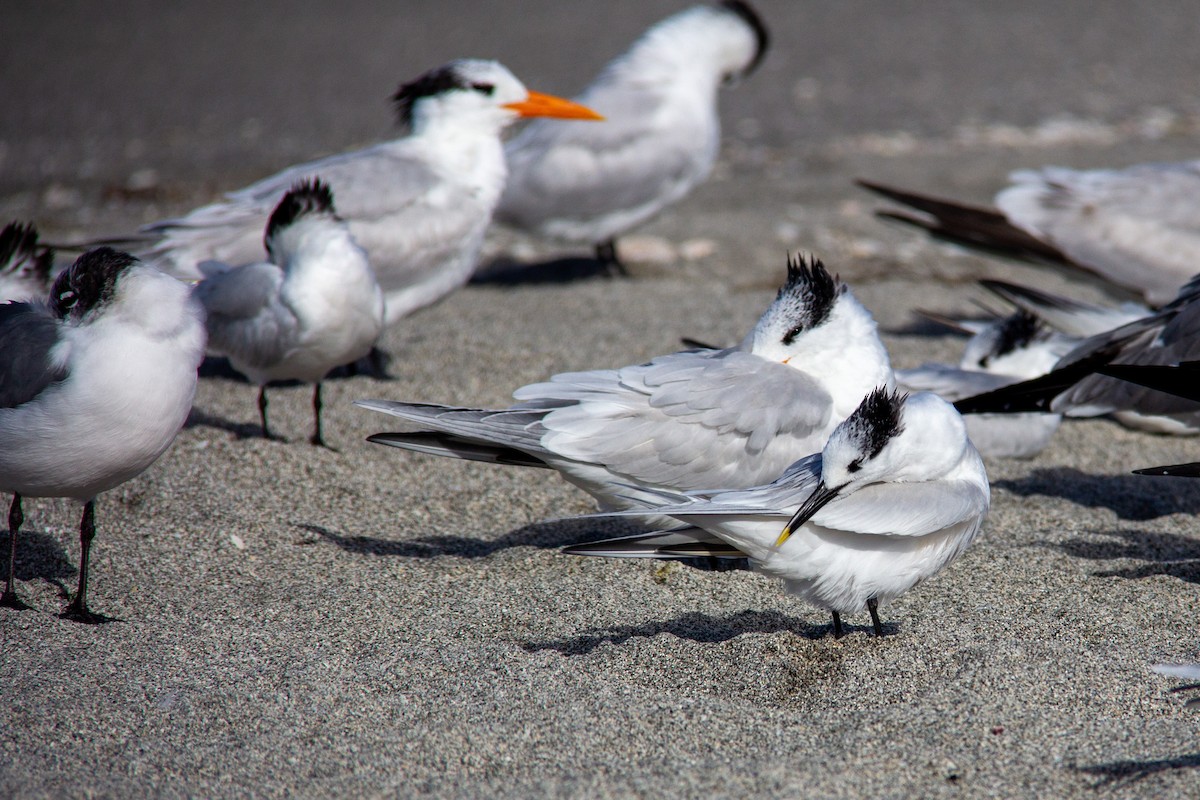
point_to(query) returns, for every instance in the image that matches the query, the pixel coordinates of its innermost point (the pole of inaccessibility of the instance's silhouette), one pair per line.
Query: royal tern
(419, 205)
(1009, 350)
(690, 420)
(896, 494)
(1137, 228)
(24, 264)
(314, 305)
(1076, 388)
(589, 184)
(94, 385)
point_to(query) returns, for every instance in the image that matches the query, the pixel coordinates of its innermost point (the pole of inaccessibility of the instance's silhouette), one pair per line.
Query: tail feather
(681, 543)
(436, 443)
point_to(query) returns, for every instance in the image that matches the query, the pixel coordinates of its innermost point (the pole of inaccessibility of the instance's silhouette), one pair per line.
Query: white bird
(588, 184)
(1137, 228)
(689, 420)
(1006, 351)
(1079, 387)
(896, 494)
(1068, 316)
(24, 264)
(94, 385)
(314, 305)
(419, 205)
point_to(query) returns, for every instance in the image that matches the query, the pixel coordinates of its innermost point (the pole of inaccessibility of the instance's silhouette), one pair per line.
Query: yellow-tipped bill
(547, 105)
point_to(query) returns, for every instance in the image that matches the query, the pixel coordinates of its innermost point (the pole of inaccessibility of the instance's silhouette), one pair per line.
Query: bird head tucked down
(90, 283)
(804, 303)
(477, 92)
(309, 200)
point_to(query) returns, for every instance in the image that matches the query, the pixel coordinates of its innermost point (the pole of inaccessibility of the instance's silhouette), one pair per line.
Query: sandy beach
(294, 621)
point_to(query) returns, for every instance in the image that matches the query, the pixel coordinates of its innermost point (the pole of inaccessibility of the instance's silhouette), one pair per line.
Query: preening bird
(95, 382)
(896, 494)
(314, 305)
(589, 184)
(689, 420)
(419, 205)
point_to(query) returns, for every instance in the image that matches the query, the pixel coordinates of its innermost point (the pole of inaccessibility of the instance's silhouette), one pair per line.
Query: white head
(816, 325)
(1019, 345)
(719, 43)
(478, 93)
(302, 216)
(890, 437)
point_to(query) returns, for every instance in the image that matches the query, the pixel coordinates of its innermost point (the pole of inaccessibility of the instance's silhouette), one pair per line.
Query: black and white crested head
(762, 36)
(1015, 332)
(308, 198)
(803, 303)
(20, 252)
(487, 80)
(89, 283)
(875, 422)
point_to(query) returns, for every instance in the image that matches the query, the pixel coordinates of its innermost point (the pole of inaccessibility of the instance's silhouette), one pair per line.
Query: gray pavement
(367, 623)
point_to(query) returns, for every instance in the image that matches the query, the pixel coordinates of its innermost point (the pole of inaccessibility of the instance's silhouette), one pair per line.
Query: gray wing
(1138, 227)
(28, 335)
(906, 509)
(951, 383)
(635, 156)
(496, 436)
(690, 420)
(245, 318)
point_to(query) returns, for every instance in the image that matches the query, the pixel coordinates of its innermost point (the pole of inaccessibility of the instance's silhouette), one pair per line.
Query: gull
(95, 382)
(1077, 386)
(24, 264)
(419, 205)
(896, 494)
(589, 184)
(1006, 351)
(1136, 227)
(689, 420)
(314, 305)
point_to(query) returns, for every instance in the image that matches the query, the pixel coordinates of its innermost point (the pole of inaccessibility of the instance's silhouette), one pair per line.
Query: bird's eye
(791, 335)
(854, 466)
(484, 88)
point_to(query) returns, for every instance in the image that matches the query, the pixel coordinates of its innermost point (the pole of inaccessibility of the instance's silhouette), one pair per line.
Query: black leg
(837, 625)
(873, 607)
(9, 598)
(262, 415)
(606, 254)
(317, 439)
(78, 610)
(378, 361)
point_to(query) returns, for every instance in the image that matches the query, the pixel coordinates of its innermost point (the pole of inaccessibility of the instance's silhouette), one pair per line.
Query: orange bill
(547, 105)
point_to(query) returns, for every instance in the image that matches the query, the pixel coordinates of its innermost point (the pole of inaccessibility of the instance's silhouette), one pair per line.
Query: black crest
(819, 290)
(90, 282)
(761, 34)
(876, 421)
(1015, 332)
(18, 245)
(436, 81)
(309, 196)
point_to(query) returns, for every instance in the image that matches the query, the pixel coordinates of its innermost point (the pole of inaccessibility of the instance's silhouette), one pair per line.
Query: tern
(689, 420)
(896, 494)
(1008, 350)
(95, 383)
(24, 264)
(419, 205)
(314, 305)
(589, 184)
(1136, 228)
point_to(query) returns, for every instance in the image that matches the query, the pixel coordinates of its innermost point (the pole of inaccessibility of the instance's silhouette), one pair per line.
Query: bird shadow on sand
(199, 418)
(1123, 773)
(509, 272)
(40, 556)
(693, 625)
(551, 535)
(1132, 497)
(1164, 553)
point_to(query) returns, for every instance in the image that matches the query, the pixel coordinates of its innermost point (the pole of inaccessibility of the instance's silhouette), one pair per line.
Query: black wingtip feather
(1191, 470)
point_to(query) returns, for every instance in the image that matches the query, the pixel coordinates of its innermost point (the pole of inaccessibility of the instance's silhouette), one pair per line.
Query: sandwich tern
(589, 184)
(312, 306)
(896, 494)
(95, 382)
(689, 420)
